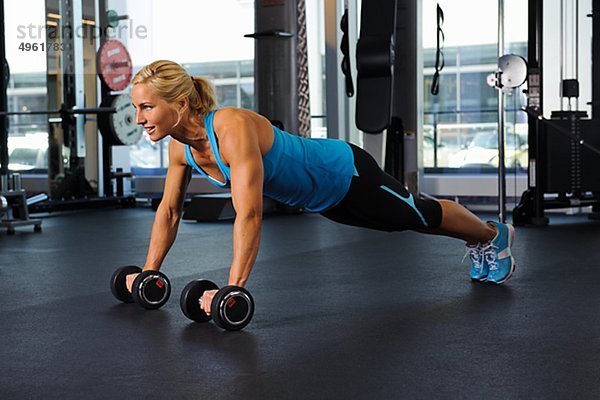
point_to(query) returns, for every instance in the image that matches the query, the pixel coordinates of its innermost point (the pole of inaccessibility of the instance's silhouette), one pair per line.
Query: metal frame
(3, 107)
(531, 209)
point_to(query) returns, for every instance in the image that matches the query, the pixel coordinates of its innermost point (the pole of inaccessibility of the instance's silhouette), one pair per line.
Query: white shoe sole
(511, 238)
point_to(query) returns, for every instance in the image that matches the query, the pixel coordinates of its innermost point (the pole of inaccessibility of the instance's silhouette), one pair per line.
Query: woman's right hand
(129, 281)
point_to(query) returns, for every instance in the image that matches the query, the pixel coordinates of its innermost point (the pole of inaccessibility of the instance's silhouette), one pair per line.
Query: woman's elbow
(169, 213)
(252, 214)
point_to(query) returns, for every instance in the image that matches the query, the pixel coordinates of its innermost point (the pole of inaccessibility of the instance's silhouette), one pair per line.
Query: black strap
(344, 47)
(375, 56)
(439, 55)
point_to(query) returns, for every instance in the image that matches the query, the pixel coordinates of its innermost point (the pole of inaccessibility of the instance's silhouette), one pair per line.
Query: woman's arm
(247, 195)
(168, 214)
(240, 147)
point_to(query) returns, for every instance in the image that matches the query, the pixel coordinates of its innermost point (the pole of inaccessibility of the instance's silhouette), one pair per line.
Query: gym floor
(341, 313)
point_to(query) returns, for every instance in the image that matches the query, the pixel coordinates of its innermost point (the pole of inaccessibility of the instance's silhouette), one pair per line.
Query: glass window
(315, 41)
(202, 43)
(461, 122)
(27, 134)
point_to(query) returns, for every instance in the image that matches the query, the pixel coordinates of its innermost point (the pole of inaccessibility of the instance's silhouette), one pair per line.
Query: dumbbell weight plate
(190, 299)
(117, 283)
(232, 308)
(151, 289)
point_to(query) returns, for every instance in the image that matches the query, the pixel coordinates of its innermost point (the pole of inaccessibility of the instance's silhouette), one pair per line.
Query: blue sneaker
(497, 255)
(479, 269)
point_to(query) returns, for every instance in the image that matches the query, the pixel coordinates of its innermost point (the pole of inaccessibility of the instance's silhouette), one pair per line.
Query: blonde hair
(171, 81)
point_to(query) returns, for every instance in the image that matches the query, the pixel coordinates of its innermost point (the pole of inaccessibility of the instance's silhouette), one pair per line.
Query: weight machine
(379, 86)
(115, 116)
(564, 155)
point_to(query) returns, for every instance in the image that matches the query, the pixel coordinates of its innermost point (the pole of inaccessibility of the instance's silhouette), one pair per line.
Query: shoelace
(474, 254)
(489, 254)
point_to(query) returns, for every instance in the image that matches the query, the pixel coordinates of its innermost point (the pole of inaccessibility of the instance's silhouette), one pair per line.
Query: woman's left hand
(206, 300)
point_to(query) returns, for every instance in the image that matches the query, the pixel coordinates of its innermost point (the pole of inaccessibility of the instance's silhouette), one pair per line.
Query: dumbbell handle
(229, 295)
(200, 299)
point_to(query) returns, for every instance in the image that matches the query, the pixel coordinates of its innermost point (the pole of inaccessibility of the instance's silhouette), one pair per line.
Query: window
(208, 40)
(464, 113)
(27, 134)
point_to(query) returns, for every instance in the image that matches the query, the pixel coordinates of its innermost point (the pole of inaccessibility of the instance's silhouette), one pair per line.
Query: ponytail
(171, 81)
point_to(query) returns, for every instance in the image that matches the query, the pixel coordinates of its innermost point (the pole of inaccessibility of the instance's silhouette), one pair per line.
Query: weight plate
(117, 283)
(190, 299)
(232, 308)
(514, 70)
(151, 289)
(114, 65)
(120, 128)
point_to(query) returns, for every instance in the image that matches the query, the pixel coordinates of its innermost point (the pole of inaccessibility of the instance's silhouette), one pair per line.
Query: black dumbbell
(118, 285)
(232, 307)
(150, 289)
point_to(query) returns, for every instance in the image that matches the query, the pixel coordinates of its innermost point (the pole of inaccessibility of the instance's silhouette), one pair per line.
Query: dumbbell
(232, 307)
(150, 289)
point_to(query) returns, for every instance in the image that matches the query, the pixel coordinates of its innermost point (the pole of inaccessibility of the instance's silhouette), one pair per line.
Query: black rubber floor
(341, 313)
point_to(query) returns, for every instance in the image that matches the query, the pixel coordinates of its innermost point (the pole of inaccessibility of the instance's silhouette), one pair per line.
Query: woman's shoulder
(230, 119)
(176, 152)
(230, 115)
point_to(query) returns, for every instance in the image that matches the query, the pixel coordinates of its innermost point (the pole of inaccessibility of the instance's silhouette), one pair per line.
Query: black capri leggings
(377, 200)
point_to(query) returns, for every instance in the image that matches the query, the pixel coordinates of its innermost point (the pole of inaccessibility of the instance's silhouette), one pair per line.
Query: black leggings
(377, 200)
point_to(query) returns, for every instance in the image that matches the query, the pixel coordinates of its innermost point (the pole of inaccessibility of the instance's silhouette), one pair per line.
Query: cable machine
(564, 155)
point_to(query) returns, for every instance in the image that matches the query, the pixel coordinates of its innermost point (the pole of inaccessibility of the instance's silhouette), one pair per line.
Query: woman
(240, 149)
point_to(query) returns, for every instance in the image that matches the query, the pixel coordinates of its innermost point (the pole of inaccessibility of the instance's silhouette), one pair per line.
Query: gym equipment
(563, 156)
(115, 126)
(345, 49)
(210, 207)
(114, 65)
(190, 299)
(120, 127)
(4, 81)
(380, 83)
(375, 57)
(115, 72)
(113, 18)
(17, 210)
(511, 73)
(231, 309)
(281, 63)
(150, 289)
(63, 113)
(117, 283)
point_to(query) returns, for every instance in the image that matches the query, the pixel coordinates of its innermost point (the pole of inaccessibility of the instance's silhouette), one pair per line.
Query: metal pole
(577, 49)
(562, 50)
(3, 107)
(435, 140)
(106, 148)
(501, 167)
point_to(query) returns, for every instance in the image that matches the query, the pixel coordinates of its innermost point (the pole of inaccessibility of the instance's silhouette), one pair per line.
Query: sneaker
(497, 255)
(479, 269)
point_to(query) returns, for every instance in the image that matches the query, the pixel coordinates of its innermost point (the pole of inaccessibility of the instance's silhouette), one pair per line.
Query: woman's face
(154, 114)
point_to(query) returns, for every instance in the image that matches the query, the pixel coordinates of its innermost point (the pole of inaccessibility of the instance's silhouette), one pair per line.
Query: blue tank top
(313, 174)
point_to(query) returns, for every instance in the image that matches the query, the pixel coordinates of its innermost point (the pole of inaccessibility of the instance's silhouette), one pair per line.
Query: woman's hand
(206, 300)
(129, 281)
